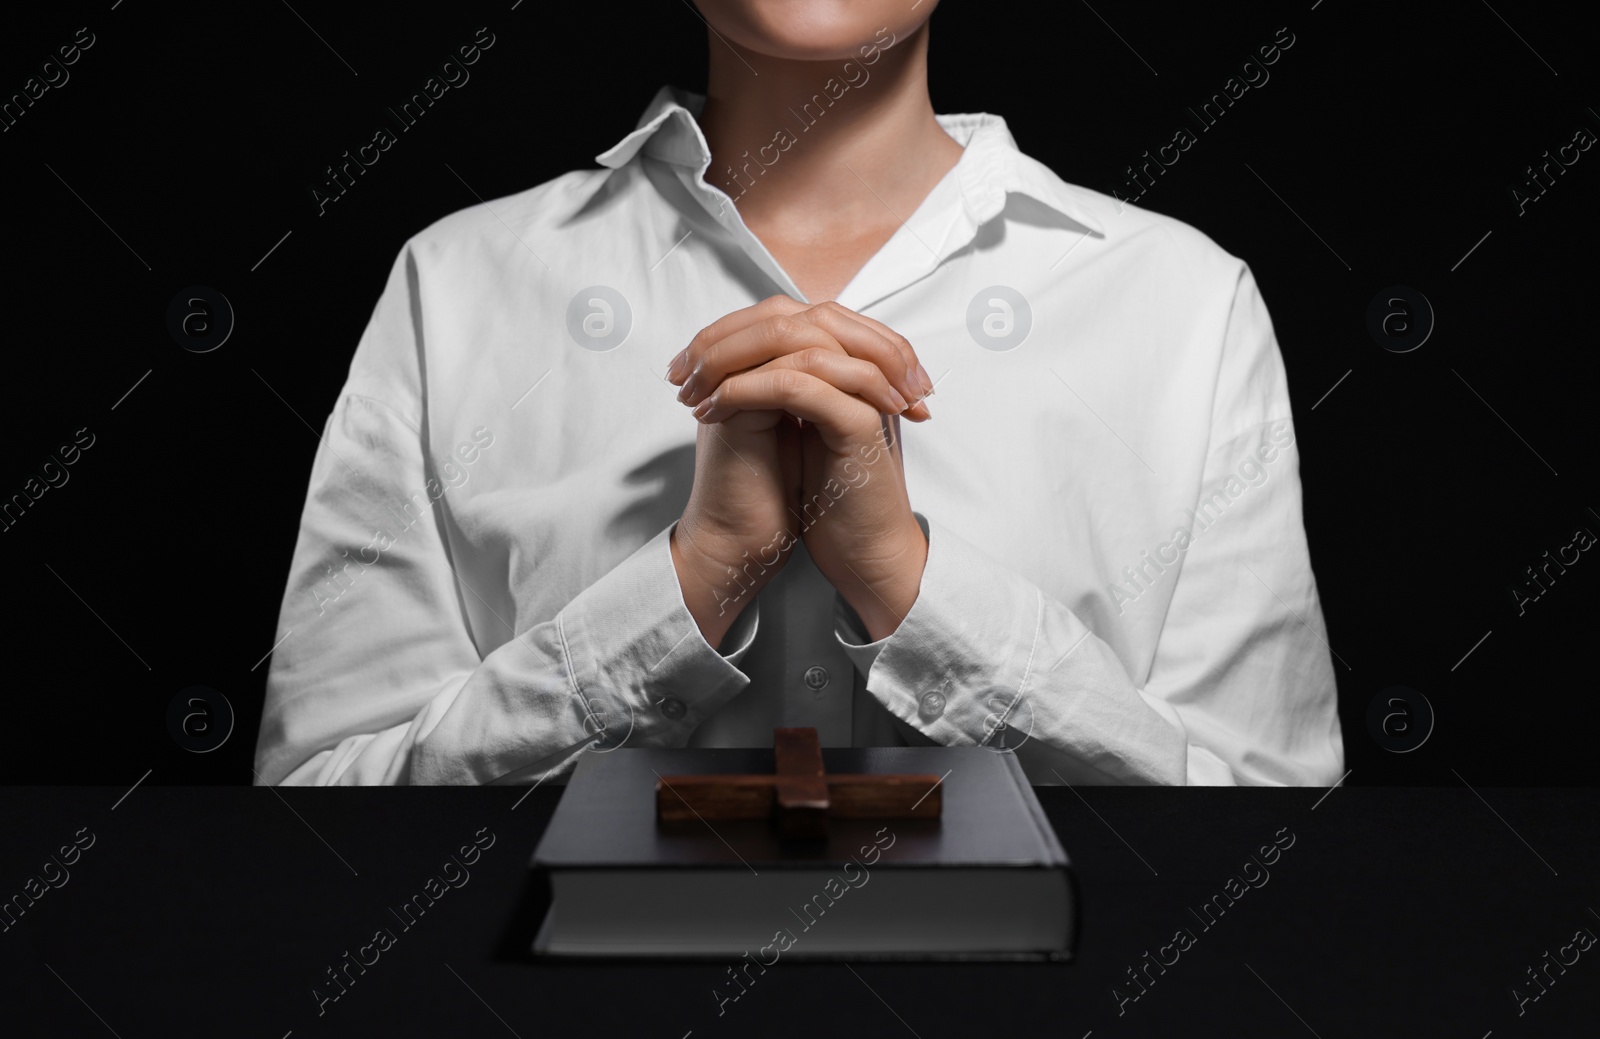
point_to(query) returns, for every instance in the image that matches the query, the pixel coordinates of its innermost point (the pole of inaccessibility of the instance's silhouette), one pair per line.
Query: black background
(206, 911)
(194, 134)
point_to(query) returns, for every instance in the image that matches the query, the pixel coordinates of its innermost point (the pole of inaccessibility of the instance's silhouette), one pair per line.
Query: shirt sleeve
(1241, 688)
(378, 677)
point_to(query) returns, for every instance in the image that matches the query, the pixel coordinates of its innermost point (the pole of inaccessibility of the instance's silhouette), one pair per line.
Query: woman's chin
(812, 30)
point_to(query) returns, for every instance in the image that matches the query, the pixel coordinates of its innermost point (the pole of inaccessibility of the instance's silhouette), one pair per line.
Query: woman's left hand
(851, 503)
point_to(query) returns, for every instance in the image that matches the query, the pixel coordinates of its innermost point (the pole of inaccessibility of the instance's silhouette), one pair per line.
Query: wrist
(882, 592)
(718, 577)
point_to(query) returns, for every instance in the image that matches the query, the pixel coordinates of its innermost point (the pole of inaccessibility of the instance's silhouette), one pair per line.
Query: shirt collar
(990, 166)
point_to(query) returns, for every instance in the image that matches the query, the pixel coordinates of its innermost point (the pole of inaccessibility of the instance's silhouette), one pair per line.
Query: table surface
(1394, 912)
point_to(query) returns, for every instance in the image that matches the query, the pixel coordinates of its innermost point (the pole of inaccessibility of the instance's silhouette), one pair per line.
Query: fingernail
(704, 408)
(687, 391)
(927, 383)
(899, 402)
(674, 369)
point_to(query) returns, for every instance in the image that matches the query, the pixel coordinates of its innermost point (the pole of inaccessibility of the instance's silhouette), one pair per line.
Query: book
(986, 880)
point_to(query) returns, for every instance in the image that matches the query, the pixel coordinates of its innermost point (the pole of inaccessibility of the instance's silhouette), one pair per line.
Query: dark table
(1394, 912)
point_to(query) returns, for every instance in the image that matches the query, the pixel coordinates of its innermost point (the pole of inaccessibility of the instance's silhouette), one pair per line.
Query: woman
(518, 547)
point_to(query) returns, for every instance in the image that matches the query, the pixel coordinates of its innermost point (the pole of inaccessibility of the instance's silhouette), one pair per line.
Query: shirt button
(816, 678)
(672, 707)
(932, 705)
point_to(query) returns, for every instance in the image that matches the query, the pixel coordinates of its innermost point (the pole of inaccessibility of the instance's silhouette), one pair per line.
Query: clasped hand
(798, 441)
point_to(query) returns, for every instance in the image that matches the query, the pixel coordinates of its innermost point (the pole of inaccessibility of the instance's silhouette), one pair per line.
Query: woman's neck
(832, 154)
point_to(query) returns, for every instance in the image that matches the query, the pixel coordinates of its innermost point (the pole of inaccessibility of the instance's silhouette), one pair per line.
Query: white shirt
(1117, 582)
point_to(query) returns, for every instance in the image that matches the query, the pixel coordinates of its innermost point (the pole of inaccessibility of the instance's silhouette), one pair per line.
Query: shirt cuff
(630, 637)
(949, 668)
(741, 634)
(852, 636)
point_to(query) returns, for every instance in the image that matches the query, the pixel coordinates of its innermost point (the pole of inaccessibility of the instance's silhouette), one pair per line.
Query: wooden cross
(799, 793)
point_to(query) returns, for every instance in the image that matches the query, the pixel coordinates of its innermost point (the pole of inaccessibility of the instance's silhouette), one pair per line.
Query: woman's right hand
(736, 530)
(738, 527)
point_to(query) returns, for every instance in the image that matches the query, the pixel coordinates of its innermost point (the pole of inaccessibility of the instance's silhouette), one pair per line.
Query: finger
(850, 374)
(755, 421)
(828, 327)
(868, 338)
(839, 418)
(724, 326)
(916, 374)
(711, 356)
(751, 347)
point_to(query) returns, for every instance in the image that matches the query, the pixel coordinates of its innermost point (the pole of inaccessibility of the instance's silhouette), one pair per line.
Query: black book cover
(990, 819)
